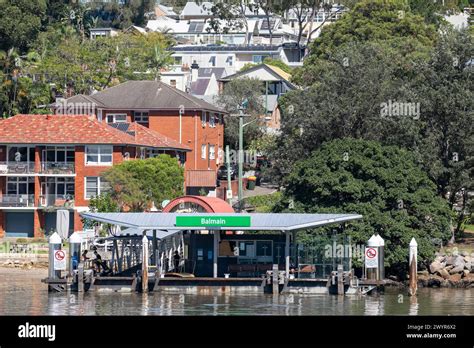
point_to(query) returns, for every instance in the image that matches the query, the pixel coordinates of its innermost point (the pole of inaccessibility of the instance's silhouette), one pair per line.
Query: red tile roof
(77, 129)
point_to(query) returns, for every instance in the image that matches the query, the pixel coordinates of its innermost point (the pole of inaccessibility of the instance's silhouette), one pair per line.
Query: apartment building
(179, 116)
(51, 162)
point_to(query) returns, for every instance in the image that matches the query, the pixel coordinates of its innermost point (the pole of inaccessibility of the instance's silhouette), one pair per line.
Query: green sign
(213, 221)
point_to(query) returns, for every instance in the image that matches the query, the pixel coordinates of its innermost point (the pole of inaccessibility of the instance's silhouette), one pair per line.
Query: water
(22, 293)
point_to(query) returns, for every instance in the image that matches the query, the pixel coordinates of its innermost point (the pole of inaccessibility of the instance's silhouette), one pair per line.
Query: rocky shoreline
(24, 264)
(449, 271)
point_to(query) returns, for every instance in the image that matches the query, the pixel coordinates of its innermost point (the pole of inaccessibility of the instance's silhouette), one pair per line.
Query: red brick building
(169, 111)
(56, 161)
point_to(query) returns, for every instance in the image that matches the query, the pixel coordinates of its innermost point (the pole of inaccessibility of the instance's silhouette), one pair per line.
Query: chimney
(194, 71)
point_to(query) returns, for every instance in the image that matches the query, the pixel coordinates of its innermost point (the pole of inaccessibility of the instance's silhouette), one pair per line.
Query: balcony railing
(17, 201)
(57, 167)
(13, 167)
(57, 201)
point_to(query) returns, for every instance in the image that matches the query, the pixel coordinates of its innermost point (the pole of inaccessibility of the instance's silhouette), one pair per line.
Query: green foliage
(20, 22)
(103, 203)
(135, 184)
(278, 63)
(235, 92)
(264, 203)
(388, 22)
(382, 183)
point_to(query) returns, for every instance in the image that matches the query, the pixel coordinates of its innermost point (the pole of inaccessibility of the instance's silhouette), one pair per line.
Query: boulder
(450, 260)
(459, 261)
(436, 266)
(454, 278)
(448, 268)
(434, 281)
(440, 258)
(457, 269)
(467, 259)
(423, 273)
(444, 273)
(465, 273)
(468, 266)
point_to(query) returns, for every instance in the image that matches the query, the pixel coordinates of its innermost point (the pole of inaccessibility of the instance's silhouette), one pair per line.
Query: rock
(472, 255)
(459, 261)
(436, 266)
(467, 259)
(454, 278)
(444, 273)
(457, 269)
(440, 258)
(465, 273)
(464, 253)
(434, 281)
(423, 273)
(450, 260)
(455, 252)
(445, 284)
(468, 266)
(448, 268)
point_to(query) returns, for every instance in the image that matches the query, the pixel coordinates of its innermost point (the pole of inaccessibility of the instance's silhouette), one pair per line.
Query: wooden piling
(145, 263)
(413, 267)
(275, 274)
(340, 280)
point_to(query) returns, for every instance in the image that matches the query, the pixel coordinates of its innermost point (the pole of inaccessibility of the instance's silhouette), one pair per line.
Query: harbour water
(22, 293)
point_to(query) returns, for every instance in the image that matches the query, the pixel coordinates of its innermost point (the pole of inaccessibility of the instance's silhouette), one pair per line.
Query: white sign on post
(371, 258)
(229, 194)
(59, 260)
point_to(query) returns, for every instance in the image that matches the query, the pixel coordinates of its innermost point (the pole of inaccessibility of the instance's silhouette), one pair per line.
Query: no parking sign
(371, 257)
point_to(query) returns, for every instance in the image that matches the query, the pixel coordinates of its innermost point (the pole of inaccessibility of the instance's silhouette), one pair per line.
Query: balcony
(13, 167)
(19, 201)
(57, 168)
(56, 201)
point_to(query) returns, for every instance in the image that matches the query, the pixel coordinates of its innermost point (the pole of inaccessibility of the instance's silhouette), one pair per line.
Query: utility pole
(229, 179)
(241, 154)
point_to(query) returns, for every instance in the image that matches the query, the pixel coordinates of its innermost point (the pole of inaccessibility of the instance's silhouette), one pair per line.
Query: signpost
(213, 221)
(371, 258)
(59, 260)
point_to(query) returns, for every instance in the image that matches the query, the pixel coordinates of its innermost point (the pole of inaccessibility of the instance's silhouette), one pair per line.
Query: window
(264, 248)
(173, 83)
(58, 154)
(230, 60)
(259, 58)
(99, 155)
(21, 154)
(116, 118)
(20, 185)
(203, 151)
(178, 60)
(141, 117)
(212, 152)
(212, 121)
(203, 119)
(95, 185)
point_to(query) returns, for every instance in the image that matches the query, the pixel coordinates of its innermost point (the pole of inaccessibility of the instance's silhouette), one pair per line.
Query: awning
(258, 221)
(137, 232)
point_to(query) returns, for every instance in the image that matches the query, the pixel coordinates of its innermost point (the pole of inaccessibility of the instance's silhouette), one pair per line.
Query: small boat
(179, 275)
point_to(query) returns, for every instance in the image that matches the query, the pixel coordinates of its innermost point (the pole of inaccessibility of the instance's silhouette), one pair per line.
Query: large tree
(234, 94)
(136, 183)
(382, 183)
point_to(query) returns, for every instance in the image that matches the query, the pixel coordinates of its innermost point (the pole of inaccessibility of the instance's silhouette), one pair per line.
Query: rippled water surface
(22, 293)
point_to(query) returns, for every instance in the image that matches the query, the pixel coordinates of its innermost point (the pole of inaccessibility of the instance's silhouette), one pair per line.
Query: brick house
(175, 114)
(56, 161)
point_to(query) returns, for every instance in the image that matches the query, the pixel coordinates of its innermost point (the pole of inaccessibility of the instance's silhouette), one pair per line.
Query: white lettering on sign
(59, 260)
(371, 259)
(209, 221)
(37, 331)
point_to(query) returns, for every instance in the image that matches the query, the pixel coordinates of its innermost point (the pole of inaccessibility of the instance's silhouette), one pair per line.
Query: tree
(230, 15)
(20, 22)
(136, 183)
(382, 183)
(235, 93)
(372, 20)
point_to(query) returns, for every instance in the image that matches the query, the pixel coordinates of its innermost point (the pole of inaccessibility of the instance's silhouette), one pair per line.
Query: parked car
(222, 172)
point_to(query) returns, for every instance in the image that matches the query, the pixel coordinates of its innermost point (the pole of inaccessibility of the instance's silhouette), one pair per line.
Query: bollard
(54, 245)
(145, 263)
(381, 256)
(413, 259)
(75, 241)
(372, 272)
